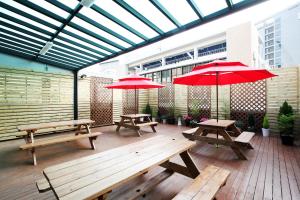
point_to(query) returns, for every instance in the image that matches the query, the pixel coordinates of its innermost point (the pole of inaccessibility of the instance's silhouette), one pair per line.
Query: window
(152, 64)
(179, 57)
(166, 76)
(212, 49)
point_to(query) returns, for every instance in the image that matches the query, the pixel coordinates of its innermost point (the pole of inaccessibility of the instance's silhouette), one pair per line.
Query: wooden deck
(272, 171)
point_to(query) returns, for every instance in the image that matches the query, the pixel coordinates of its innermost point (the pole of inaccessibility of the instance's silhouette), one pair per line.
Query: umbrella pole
(135, 109)
(217, 91)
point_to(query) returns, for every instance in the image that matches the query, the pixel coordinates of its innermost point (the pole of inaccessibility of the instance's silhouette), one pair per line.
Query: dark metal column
(75, 95)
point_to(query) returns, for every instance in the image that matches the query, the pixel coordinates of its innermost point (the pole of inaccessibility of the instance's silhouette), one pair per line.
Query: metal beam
(138, 15)
(65, 50)
(237, 7)
(229, 3)
(90, 21)
(18, 38)
(60, 60)
(64, 21)
(16, 45)
(59, 56)
(196, 9)
(57, 64)
(59, 53)
(165, 12)
(17, 50)
(75, 95)
(119, 22)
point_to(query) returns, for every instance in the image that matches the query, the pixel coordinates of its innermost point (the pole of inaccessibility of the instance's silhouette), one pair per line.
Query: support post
(75, 95)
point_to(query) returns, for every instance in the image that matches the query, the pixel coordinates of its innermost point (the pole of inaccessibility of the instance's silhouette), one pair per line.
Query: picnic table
(97, 175)
(229, 135)
(31, 130)
(133, 121)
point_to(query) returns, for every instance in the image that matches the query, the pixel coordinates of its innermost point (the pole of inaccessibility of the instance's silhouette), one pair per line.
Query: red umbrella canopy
(134, 82)
(222, 73)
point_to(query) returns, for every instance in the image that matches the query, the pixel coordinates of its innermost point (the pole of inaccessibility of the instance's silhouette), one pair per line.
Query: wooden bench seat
(147, 124)
(244, 139)
(205, 186)
(50, 141)
(43, 185)
(190, 131)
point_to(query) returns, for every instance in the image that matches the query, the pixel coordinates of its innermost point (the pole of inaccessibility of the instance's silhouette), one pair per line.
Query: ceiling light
(46, 48)
(87, 3)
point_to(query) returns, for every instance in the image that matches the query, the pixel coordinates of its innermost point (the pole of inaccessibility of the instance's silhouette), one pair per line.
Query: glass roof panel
(20, 17)
(154, 15)
(78, 47)
(78, 58)
(208, 7)
(12, 30)
(181, 10)
(55, 45)
(126, 17)
(31, 11)
(24, 27)
(63, 57)
(52, 57)
(109, 24)
(83, 43)
(70, 3)
(16, 48)
(19, 43)
(90, 38)
(100, 32)
(22, 39)
(50, 7)
(237, 1)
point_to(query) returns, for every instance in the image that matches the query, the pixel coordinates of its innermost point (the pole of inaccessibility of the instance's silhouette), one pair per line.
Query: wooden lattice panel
(130, 102)
(199, 98)
(101, 101)
(166, 98)
(246, 99)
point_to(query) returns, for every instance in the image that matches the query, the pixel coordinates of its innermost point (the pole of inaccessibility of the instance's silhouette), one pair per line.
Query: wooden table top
(134, 116)
(92, 176)
(220, 123)
(54, 124)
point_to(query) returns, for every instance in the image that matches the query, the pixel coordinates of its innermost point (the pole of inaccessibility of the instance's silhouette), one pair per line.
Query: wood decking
(272, 171)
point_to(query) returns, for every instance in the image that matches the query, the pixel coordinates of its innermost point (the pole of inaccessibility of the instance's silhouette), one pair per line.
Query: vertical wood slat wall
(28, 97)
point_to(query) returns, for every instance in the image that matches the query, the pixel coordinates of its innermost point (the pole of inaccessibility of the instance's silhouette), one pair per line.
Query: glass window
(166, 76)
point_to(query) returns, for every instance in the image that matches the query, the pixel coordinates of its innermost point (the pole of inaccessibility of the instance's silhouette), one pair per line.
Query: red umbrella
(222, 73)
(134, 82)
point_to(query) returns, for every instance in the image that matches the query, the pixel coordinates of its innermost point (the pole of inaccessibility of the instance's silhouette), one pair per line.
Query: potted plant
(154, 114)
(239, 124)
(265, 129)
(178, 116)
(171, 116)
(251, 123)
(187, 119)
(147, 109)
(164, 119)
(286, 124)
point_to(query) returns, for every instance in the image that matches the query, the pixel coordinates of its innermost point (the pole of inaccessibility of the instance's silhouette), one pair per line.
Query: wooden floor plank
(18, 176)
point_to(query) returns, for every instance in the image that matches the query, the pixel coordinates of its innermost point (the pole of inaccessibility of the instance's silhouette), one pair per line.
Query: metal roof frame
(75, 46)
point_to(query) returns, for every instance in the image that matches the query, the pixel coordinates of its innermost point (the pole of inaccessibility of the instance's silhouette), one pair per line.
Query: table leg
(120, 124)
(194, 171)
(153, 129)
(88, 130)
(78, 129)
(233, 146)
(30, 139)
(136, 127)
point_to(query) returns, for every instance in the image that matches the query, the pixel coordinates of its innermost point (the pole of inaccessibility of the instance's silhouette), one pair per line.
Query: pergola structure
(74, 34)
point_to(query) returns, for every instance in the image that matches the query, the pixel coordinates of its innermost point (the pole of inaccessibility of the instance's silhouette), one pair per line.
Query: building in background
(238, 43)
(279, 38)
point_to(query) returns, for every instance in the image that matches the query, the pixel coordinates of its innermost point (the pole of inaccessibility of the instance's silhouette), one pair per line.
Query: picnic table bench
(96, 175)
(31, 144)
(133, 121)
(229, 135)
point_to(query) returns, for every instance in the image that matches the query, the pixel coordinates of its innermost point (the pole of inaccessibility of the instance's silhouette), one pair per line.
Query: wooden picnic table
(133, 121)
(31, 130)
(97, 175)
(229, 135)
